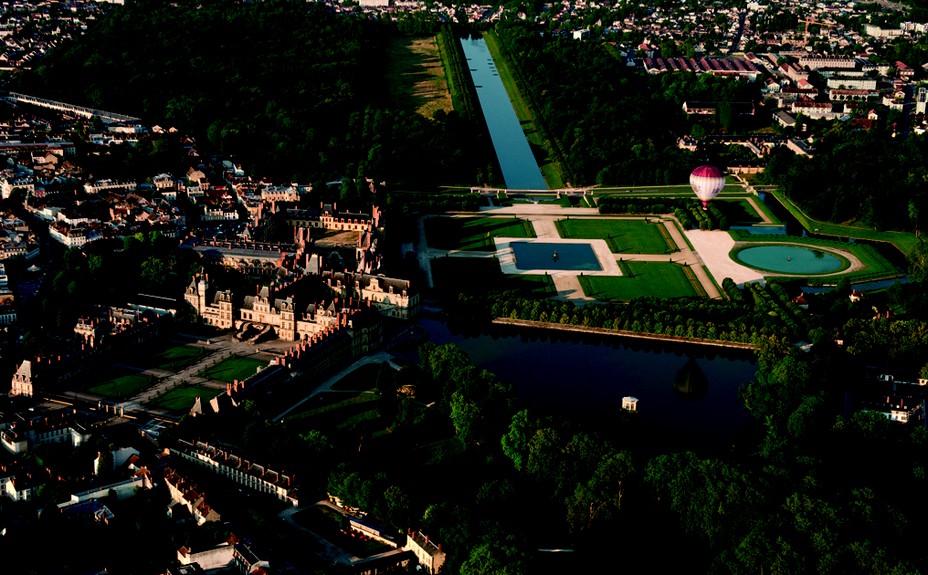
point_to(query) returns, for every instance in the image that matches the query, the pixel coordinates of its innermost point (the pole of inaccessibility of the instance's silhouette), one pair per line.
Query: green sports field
(657, 279)
(622, 236)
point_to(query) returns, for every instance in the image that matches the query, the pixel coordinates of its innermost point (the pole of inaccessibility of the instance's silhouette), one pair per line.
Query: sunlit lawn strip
(416, 75)
(656, 279)
(233, 368)
(474, 233)
(622, 236)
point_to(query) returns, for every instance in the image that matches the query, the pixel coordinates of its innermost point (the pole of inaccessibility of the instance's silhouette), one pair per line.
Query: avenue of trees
(753, 314)
(292, 90)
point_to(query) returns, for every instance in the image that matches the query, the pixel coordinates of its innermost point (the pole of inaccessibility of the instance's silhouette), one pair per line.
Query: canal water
(688, 395)
(516, 160)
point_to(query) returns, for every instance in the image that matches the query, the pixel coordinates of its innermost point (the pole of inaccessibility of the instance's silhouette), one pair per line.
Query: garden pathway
(714, 247)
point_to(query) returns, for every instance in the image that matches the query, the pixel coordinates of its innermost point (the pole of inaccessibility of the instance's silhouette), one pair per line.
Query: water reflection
(685, 391)
(516, 160)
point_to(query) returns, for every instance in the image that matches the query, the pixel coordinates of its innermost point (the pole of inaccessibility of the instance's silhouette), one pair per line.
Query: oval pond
(790, 259)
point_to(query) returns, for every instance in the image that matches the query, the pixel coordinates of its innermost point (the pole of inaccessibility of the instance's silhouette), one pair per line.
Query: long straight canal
(516, 160)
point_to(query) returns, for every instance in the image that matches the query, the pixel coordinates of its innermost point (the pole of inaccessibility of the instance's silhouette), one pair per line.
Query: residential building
(184, 493)
(249, 474)
(430, 555)
(29, 429)
(232, 554)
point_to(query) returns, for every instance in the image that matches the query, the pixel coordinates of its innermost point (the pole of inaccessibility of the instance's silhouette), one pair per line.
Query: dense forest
(292, 90)
(861, 177)
(810, 486)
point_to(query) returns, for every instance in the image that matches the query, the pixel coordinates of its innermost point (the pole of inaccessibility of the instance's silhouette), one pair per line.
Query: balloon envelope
(707, 182)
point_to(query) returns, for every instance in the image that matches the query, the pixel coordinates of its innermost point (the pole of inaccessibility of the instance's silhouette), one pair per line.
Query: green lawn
(474, 233)
(622, 236)
(228, 370)
(178, 357)
(656, 279)
(181, 398)
(124, 386)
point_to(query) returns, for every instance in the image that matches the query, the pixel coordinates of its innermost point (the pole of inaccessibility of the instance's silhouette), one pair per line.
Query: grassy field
(181, 398)
(541, 144)
(904, 241)
(657, 279)
(474, 233)
(123, 386)
(483, 274)
(233, 368)
(418, 78)
(622, 236)
(178, 357)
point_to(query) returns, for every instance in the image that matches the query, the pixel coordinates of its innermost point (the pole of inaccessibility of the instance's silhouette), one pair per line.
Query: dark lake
(587, 376)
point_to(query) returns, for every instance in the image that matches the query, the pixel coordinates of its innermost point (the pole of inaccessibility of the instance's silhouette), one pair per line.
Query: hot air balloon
(707, 182)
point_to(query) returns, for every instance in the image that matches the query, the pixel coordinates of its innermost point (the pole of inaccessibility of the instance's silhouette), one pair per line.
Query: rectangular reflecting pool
(541, 256)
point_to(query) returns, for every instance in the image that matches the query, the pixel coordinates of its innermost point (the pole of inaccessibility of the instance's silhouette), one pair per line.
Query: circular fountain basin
(790, 259)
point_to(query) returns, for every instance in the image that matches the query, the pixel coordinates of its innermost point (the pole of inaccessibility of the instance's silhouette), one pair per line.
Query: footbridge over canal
(547, 192)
